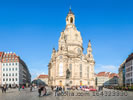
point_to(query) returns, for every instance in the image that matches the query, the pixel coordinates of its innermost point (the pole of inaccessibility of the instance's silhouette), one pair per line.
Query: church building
(69, 66)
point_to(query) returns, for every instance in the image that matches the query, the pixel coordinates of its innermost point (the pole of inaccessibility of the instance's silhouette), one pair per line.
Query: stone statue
(67, 74)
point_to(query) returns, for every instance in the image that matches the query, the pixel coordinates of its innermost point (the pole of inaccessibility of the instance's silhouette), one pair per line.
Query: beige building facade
(102, 79)
(106, 79)
(68, 65)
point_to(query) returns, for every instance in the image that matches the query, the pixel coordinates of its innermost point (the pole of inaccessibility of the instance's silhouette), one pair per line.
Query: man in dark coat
(39, 90)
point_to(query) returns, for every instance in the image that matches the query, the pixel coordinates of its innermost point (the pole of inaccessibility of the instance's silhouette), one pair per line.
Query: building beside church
(129, 70)
(126, 72)
(68, 64)
(121, 73)
(102, 79)
(13, 70)
(107, 79)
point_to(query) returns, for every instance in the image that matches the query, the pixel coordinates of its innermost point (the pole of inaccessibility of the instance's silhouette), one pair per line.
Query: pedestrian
(44, 91)
(10, 86)
(30, 88)
(102, 88)
(23, 87)
(19, 87)
(52, 88)
(63, 90)
(4, 88)
(56, 90)
(98, 88)
(39, 90)
(60, 88)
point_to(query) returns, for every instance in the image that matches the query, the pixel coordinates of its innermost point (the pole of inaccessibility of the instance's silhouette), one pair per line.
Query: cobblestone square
(14, 94)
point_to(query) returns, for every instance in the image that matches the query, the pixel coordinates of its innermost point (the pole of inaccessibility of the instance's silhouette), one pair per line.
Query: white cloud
(107, 68)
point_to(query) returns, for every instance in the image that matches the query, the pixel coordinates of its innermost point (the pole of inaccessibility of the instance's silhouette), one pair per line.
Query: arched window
(61, 69)
(71, 20)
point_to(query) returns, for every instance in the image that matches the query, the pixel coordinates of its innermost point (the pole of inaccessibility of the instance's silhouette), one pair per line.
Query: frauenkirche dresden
(69, 65)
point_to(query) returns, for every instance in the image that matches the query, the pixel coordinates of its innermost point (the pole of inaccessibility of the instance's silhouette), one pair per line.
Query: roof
(107, 74)
(43, 76)
(1, 54)
(9, 55)
(113, 75)
(130, 57)
(103, 74)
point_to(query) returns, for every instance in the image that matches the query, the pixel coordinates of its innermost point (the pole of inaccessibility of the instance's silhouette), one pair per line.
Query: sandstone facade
(68, 65)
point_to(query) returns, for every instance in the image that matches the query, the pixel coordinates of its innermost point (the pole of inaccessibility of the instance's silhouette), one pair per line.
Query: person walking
(4, 88)
(63, 89)
(60, 89)
(39, 90)
(30, 88)
(23, 87)
(44, 91)
(56, 90)
(19, 87)
(52, 88)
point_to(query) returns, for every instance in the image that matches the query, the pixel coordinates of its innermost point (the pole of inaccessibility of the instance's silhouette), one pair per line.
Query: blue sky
(31, 28)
